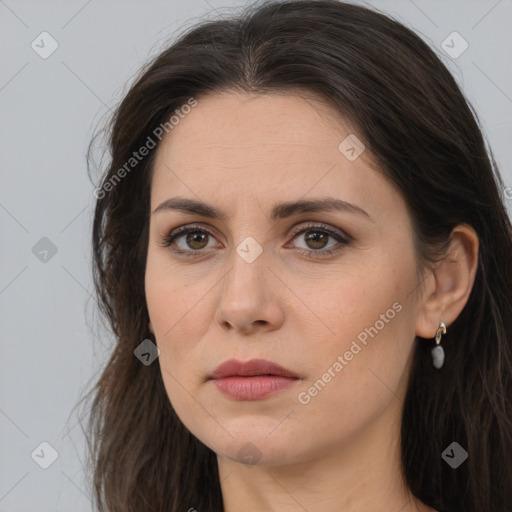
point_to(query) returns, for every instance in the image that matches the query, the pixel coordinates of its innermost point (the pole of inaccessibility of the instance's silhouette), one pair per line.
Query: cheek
(371, 336)
(359, 376)
(171, 309)
(169, 293)
(177, 305)
(168, 303)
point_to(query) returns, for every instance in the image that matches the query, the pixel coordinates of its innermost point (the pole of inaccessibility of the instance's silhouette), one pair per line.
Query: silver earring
(438, 351)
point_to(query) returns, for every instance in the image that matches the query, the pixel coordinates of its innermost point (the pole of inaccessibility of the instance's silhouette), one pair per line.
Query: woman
(302, 248)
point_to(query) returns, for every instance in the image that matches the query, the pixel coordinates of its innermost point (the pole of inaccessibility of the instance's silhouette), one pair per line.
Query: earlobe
(454, 277)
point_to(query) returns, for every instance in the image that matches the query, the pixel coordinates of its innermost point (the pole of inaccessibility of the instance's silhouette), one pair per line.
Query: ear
(450, 283)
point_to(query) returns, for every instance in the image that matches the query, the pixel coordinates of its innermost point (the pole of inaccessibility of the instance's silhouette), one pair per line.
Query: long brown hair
(407, 109)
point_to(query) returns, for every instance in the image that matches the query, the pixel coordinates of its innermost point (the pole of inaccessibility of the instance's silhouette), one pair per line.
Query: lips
(254, 367)
(256, 379)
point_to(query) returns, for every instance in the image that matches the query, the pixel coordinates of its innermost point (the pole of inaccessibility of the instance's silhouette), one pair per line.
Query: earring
(438, 351)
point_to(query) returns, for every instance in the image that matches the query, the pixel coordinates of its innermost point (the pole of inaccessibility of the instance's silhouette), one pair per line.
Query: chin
(255, 447)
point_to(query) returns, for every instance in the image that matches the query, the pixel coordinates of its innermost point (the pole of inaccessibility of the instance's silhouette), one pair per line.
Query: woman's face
(325, 293)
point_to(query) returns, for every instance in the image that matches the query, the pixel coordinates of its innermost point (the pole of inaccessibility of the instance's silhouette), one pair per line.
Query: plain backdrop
(49, 109)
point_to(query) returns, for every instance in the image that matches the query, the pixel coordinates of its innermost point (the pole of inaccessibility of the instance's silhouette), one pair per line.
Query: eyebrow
(279, 211)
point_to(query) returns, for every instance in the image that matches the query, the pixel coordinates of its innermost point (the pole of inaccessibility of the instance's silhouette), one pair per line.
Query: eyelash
(171, 237)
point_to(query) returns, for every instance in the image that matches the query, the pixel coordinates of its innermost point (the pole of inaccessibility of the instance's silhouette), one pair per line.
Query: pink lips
(252, 380)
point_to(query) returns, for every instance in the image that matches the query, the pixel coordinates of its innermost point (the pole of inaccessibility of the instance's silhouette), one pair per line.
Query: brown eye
(189, 239)
(193, 240)
(196, 240)
(317, 239)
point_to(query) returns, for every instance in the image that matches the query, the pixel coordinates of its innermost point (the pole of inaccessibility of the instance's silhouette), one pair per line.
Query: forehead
(256, 124)
(272, 146)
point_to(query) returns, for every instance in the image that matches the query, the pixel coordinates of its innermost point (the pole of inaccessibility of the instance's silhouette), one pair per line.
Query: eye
(317, 238)
(191, 240)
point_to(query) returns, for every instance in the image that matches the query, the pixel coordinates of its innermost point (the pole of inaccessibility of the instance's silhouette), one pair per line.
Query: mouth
(252, 380)
(252, 368)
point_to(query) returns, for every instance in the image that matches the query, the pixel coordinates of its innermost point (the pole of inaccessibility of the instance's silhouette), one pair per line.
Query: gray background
(49, 109)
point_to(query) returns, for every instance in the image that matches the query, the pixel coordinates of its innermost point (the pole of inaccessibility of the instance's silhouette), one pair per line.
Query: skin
(243, 154)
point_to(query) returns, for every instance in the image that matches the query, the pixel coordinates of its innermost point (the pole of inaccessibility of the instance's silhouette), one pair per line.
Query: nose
(249, 300)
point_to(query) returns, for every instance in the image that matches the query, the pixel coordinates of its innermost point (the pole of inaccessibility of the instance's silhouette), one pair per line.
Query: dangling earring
(438, 351)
